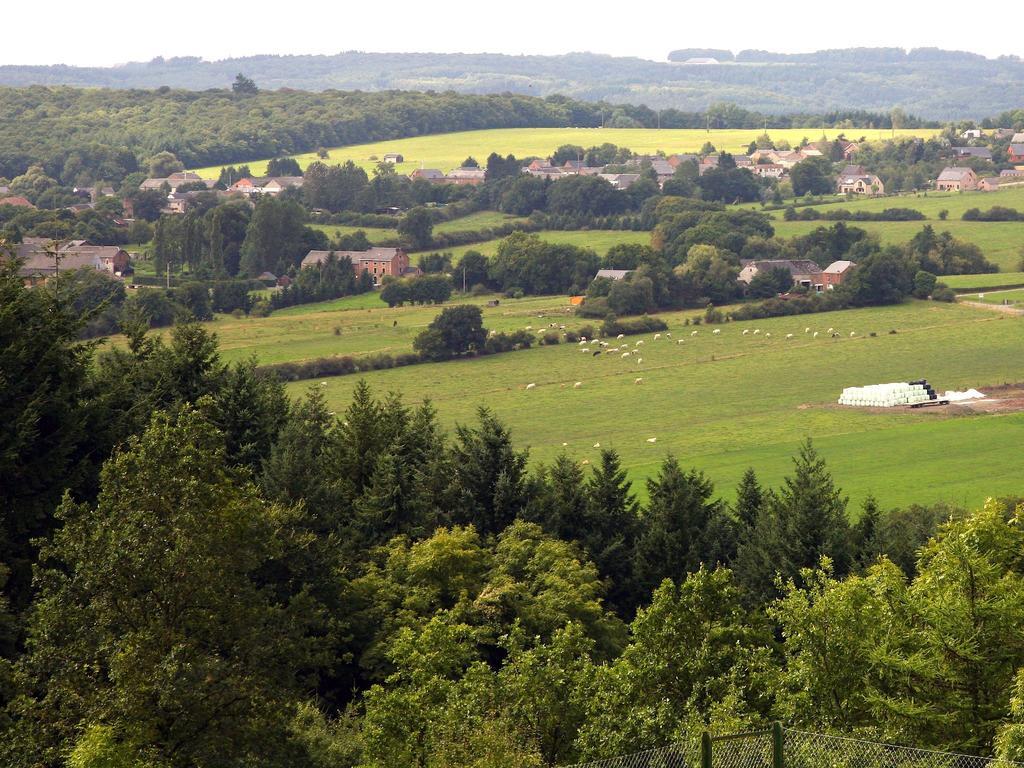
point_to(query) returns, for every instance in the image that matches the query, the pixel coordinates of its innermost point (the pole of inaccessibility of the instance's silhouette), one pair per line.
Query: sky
(107, 32)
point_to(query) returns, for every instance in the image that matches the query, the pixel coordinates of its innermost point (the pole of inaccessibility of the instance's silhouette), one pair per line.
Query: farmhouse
(16, 201)
(1017, 138)
(273, 186)
(971, 133)
(956, 180)
(768, 170)
(39, 263)
(1015, 152)
(1011, 172)
(980, 153)
(394, 157)
(620, 180)
(466, 176)
(860, 184)
(836, 273)
(176, 180)
(990, 184)
(803, 271)
(377, 262)
(613, 274)
(432, 175)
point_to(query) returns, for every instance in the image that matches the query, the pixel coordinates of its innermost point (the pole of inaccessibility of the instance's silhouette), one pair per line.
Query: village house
(971, 133)
(278, 184)
(805, 273)
(378, 262)
(867, 184)
(768, 170)
(956, 180)
(432, 175)
(613, 274)
(678, 159)
(980, 153)
(989, 184)
(466, 176)
(1011, 172)
(836, 273)
(620, 180)
(394, 157)
(176, 180)
(1017, 138)
(17, 201)
(1015, 152)
(41, 263)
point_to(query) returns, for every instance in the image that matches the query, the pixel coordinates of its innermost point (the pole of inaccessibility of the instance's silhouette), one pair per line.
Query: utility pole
(463, 279)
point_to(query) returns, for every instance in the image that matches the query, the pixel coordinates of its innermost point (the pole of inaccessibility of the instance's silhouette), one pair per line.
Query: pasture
(718, 402)
(963, 283)
(998, 297)
(448, 150)
(599, 240)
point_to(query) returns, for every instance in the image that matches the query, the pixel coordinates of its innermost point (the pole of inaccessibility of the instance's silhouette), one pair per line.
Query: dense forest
(198, 571)
(933, 83)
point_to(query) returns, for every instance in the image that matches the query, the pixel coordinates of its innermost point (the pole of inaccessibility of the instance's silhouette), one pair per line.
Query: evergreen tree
(250, 410)
(682, 527)
(489, 475)
(562, 502)
(609, 534)
(865, 537)
(749, 499)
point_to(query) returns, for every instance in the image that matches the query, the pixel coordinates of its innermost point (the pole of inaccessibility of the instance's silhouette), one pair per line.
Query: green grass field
(1001, 242)
(977, 282)
(478, 220)
(720, 403)
(599, 240)
(998, 297)
(447, 151)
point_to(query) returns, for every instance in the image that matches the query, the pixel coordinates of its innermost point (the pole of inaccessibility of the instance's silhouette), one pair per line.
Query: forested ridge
(934, 83)
(201, 572)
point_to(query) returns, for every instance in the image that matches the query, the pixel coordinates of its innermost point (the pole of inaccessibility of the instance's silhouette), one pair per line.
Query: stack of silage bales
(888, 395)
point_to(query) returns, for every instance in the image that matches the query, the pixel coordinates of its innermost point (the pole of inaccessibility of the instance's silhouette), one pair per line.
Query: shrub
(514, 293)
(713, 315)
(260, 308)
(943, 292)
(507, 342)
(645, 324)
(551, 338)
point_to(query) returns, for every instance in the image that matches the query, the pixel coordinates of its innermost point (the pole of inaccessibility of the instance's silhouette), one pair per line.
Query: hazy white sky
(107, 32)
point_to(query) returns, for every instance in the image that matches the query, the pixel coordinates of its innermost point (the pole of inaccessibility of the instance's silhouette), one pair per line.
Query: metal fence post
(705, 750)
(778, 759)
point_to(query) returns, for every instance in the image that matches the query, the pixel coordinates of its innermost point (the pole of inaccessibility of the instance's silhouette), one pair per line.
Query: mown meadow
(447, 151)
(720, 402)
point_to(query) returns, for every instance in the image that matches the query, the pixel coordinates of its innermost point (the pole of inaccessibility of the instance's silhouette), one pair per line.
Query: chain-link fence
(792, 748)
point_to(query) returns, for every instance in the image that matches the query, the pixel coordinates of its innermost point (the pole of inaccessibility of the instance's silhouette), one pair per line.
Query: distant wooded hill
(928, 82)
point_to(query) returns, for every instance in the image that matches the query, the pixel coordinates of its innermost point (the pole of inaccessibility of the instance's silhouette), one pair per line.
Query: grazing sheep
(693, 333)
(679, 341)
(768, 335)
(657, 336)
(830, 330)
(577, 385)
(564, 445)
(582, 342)
(852, 334)
(585, 461)
(652, 439)
(597, 445)
(583, 339)
(814, 335)
(835, 335)
(596, 352)
(807, 330)
(639, 360)
(323, 383)
(639, 343)
(621, 336)
(638, 380)
(746, 331)
(716, 331)
(529, 327)
(625, 354)
(668, 335)
(531, 385)
(789, 335)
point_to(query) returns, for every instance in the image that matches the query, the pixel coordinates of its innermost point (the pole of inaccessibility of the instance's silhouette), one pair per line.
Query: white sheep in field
(564, 445)
(585, 461)
(668, 335)
(621, 336)
(657, 336)
(531, 385)
(323, 383)
(582, 342)
(716, 331)
(577, 385)
(529, 327)
(746, 331)
(830, 330)
(639, 343)
(652, 439)
(680, 341)
(789, 335)
(593, 341)
(639, 360)
(768, 335)
(852, 334)
(693, 333)
(584, 350)
(626, 354)
(814, 335)
(597, 445)
(638, 380)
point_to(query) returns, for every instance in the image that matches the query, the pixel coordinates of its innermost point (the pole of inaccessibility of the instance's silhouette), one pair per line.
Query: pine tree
(749, 499)
(865, 540)
(609, 535)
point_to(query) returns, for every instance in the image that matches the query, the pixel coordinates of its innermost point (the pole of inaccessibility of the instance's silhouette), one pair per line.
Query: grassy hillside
(447, 151)
(1000, 279)
(599, 240)
(721, 403)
